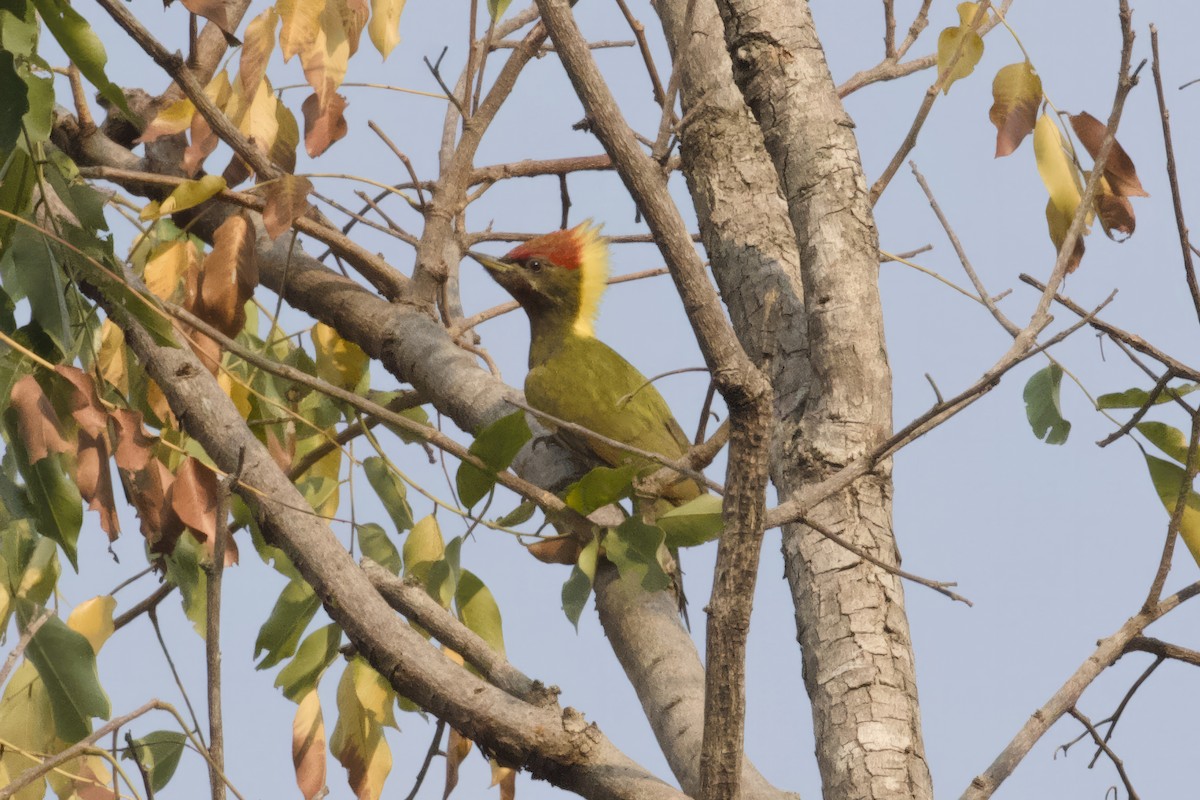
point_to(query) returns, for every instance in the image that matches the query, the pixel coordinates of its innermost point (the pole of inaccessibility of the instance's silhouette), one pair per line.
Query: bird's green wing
(590, 384)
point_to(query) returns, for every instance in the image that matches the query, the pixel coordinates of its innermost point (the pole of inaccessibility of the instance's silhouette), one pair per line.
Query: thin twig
(437, 75)
(26, 637)
(1116, 715)
(984, 297)
(639, 33)
(1103, 745)
(1148, 644)
(1173, 174)
(1141, 412)
(434, 749)
(135, 611)
(941, 587)
(404, 159)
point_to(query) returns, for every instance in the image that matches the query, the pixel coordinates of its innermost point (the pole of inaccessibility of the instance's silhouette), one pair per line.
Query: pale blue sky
(1055, 545)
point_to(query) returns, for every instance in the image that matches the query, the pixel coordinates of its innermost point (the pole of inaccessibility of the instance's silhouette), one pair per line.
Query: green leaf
(1136, 398)
(1168, 481)
(391, 490)
(695, 522)
(279, 635)
(40, 91)
(158, 753)
(423, 545)
(304, 671)
(14, 101)
(18, 28)
(496, 445)
(1171, 441)
(378, 547)
(1042, 405)
(578, 588)
(30, 269)
(67, 665)
(83, 47)
(521, 514)
(478, 610)
(601, 486)
(17, 177)
(497, 8)
(633, 548)
(53, 497)
(184, 570)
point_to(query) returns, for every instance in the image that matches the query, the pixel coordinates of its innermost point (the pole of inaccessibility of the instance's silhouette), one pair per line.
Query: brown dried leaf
(323, 126)
(556, 550)
(134, 447)
(308, 746)
(286, 202)
(37, 423)
(83, 402)
(1115, 213)
(203, 143)
(256, 50)
(228, 277)
(1118, 167)
(147, 489)
(282, 450)
(457, 749)
(215, 11)
(354, 18)
(95, 481)
(1017, 93)
(206, 349)
(193, 498)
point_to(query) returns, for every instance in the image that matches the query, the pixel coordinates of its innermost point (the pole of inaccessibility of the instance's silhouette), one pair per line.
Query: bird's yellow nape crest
(581, 248)
(593, 268)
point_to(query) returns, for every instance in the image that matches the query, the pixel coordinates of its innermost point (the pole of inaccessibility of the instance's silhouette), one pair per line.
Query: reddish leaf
(147, 490)
(323, 125)
(228, 277)
(95, 481)
(193, 498)
(1118, 167)
(133, 445)
(173, 119)
(1017, 91)
(354, 15)
(84, 403)
(36, 421)
(286, 202)
(556, 550)
(1115, 212)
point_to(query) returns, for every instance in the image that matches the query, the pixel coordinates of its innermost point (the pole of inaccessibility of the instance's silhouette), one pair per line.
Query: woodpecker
(558, 279)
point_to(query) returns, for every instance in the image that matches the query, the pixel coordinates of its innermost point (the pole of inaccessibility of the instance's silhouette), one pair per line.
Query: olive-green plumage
(558, 279)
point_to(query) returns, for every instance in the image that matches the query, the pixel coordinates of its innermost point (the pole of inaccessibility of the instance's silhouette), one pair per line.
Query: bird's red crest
(563, 248)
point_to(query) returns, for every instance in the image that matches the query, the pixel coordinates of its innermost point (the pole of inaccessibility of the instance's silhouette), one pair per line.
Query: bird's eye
(534, 265)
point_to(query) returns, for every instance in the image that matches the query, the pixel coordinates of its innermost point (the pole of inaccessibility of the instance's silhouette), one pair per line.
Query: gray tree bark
(800, 277)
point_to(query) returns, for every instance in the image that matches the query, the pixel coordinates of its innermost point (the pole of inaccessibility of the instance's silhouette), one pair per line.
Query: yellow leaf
(959, 46)
(111, 356)
(357, 741)
(94, 619)
(168, 267)
(188, 194)
(340, 362)
(384, 27)
(237, 391)
(308, 745)
(506, 778)
(300, 24)
(1017, 93)
(423, 544)
(326, 59)
(175, 118)
(1061, 177)
(319, 483)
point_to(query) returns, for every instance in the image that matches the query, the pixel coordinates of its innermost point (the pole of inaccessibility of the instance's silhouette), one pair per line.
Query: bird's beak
(490, 263)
